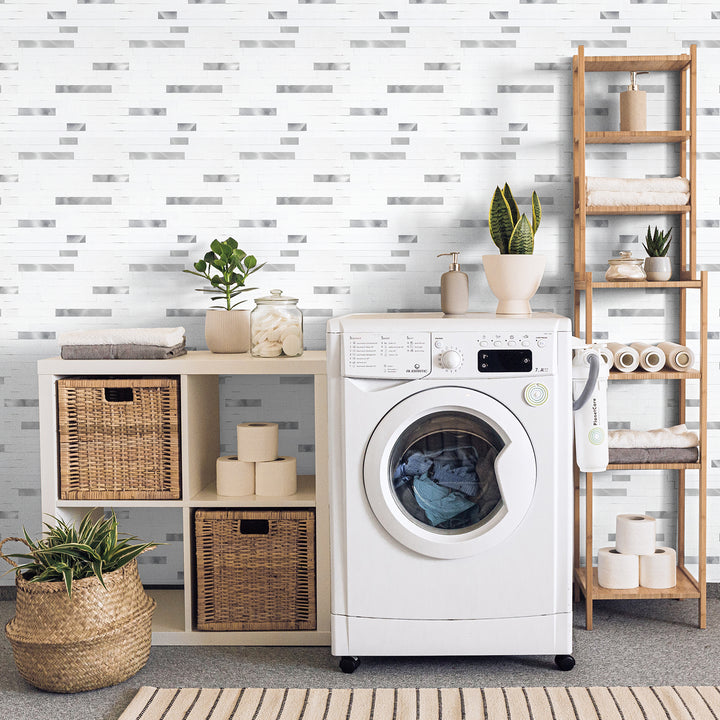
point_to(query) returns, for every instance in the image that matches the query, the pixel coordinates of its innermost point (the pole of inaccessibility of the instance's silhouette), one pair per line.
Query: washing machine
(450, 485)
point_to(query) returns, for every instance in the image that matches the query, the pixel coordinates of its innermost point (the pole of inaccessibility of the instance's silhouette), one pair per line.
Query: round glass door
(443, 471)
(449, 472)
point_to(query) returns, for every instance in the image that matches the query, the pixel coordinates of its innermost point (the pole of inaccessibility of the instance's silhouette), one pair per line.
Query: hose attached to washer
(593, 373)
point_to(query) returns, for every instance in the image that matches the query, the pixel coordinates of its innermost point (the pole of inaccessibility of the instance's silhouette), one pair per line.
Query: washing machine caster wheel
(349, 663)
(565, 662)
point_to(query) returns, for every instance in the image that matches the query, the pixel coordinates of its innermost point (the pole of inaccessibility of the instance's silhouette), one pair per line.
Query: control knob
(451, 360)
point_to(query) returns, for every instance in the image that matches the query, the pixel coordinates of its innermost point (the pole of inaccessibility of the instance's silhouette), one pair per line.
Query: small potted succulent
(226, 267)
(657, 264)
(515, 274)
(82, 618)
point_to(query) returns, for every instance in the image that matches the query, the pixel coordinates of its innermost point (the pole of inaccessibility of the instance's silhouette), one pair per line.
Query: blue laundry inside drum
(446, 479)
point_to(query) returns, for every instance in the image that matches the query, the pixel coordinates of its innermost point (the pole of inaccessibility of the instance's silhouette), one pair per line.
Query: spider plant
(66, 553)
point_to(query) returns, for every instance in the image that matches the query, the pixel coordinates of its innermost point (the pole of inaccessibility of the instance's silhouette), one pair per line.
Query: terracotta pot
(658, 269)
(227, 331)
(514, 279)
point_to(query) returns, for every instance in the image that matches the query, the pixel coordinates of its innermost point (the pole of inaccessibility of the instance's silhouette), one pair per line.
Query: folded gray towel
(125, 351)
(654, 455)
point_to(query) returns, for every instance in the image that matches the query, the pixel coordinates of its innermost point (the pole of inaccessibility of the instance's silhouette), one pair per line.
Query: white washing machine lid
(514, 469)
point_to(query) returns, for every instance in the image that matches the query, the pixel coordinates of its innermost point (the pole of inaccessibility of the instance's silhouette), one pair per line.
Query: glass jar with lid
(276, 326)
(625, 268)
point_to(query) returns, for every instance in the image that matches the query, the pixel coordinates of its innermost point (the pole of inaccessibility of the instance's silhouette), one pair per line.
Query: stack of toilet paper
(256, 469)
(651, 358)
(635, 561)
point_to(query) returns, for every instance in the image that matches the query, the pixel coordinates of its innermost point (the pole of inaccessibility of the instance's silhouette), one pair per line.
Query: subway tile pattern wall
(346, 144)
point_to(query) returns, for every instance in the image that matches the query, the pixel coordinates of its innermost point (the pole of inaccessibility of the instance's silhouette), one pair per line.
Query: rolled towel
(625, 358)
(677, 436)
(652, 358)
(660, 184)
(653, 455)
(621, 198)
(679, 357)
(162, 337)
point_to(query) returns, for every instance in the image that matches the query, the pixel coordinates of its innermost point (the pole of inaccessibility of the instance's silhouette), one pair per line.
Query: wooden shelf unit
(586, 581)
(173, 621)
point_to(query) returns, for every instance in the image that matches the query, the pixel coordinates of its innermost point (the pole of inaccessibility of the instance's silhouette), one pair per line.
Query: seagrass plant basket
(98, 637)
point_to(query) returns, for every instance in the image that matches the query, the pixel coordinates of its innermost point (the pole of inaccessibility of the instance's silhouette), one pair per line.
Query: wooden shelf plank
(304, 497)
(653, 63)
(654, 466)
(645, 284)
(686, 588)
(618, 137)
(660, 375)
(637, 209)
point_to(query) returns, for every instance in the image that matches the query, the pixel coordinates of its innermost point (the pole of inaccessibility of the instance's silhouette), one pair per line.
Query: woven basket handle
(5, 557)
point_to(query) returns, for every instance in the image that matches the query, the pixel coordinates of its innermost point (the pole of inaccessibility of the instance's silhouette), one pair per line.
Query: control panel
(466, 354)
(387, 355)
(459, 354)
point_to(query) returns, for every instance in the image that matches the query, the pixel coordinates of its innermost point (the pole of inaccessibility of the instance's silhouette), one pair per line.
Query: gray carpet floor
(634, 643)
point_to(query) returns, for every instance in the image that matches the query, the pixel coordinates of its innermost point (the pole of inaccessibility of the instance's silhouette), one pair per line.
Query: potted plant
(226, 268)
(657, 264)
(515, 274)
(83, 620)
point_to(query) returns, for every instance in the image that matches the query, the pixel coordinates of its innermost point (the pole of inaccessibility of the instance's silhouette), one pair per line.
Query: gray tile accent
(193, 200)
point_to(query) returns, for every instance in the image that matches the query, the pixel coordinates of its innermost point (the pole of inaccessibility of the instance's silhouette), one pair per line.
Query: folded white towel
(677, 436)
(673, 184)
(163, 337)
(621, 198)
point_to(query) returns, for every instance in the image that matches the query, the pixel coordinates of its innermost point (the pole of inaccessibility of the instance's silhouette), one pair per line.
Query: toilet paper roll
(625, 358)
(234, 477)
(617, 570)
(679, 357)
(652, 358)
(635, 534)
(277, 477)
(257, 441)
(658, 570)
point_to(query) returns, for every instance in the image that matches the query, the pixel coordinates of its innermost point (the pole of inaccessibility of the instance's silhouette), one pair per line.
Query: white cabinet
(199, 436)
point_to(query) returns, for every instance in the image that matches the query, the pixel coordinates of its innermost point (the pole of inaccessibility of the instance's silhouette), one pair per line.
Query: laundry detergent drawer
(255, 569)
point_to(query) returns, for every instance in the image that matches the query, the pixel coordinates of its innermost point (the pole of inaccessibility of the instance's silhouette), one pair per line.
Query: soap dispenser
(633, 106)
(454, 288)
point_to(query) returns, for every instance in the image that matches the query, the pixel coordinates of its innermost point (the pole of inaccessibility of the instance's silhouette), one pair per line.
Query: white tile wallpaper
(344, 142)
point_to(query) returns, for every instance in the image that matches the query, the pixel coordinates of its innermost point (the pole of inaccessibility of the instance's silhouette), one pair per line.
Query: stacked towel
(664, 445)
(677, 436)
(123, 344)
(617, 192)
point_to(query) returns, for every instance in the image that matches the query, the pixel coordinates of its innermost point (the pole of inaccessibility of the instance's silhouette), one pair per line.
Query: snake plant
(657, 244)
(511, 232)
(67, 553)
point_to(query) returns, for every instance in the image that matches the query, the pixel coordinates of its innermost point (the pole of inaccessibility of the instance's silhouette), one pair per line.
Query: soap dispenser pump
(633, 106)
(454, 288)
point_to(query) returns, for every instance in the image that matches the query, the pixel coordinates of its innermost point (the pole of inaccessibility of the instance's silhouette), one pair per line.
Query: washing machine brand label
(387, 355)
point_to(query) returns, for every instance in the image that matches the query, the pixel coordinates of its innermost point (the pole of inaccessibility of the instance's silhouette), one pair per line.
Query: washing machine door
(449, 472)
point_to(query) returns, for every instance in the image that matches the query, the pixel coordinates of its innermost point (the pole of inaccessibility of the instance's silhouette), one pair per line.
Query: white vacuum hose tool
(590, 374)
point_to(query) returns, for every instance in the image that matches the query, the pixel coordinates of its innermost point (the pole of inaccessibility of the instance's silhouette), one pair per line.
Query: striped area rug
(536, 703)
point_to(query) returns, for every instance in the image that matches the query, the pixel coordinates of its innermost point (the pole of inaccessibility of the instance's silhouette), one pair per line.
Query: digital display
(510, 361)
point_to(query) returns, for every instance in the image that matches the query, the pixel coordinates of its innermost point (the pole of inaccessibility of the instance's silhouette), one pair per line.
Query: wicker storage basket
(119, 438)
(255, 569)
(99, 637)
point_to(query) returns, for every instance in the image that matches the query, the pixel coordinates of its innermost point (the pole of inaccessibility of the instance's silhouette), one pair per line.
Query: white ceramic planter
(514, 279)
(227, 331)
(658, 269)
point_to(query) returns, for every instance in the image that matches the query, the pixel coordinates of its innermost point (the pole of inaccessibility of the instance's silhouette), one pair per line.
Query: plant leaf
(512, 204)
(536, 213)
(500, 221)
(521, 240)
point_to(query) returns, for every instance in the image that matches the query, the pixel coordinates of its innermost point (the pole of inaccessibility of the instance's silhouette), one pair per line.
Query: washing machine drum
(450, 472)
